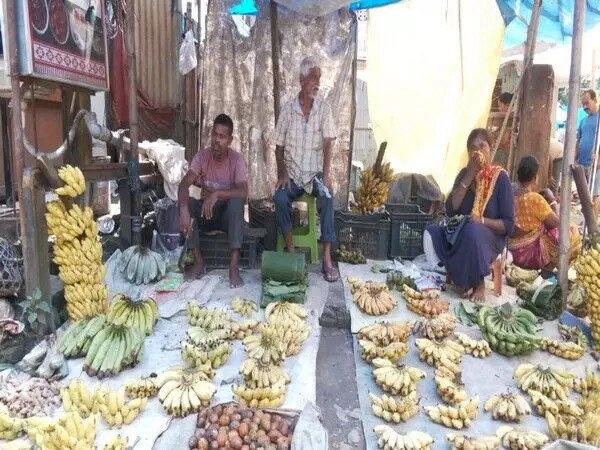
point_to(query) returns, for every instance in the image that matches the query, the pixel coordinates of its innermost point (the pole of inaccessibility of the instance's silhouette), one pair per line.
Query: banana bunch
(291, 335)
(116, 411)
(394, 379)
(577, 302)
(507, 407)
(239, 330)
(76, 341)
(510, 330)
(77, 398)
(208, 318)
(269, 397)
(562, 349)
(140, 265)
(392, 410)
(37, 427)
(523, 439)
(355, 256)
(244, 307)
(553, 383)
(355, 284)
(437, 328)
(578, 429)
(394, 351)
(265, 345)
(451, 391)
(587, 266)
(86, 300)
(374, 299)
(395, 280)
(464, 442)
(384, 333)
(142, 314)
(258, 375)
(70, 225)
(478, 349)
(458, 417)
(143, 387)
(73, 179)
(71, 432)
(426, 304)
(446, 368)
(433, 351)
(202, 337)
(588, 404)
(183, 392)
(515, 276)
(388, 439)
(588, 384)
(216, 352)
(544, 404)
(82, 274)
(285, 312)
(372, 191)
(118, 443)
(573, 334)
(10, 427)
(112, 349)
(79, 252)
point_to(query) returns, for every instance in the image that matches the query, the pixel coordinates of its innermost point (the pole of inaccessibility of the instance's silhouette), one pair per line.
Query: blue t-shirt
(586, 134)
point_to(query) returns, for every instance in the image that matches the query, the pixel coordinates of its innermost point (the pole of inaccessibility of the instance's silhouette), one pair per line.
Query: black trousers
(228, 216)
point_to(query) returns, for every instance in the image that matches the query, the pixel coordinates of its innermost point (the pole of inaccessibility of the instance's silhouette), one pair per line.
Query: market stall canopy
(311, 7)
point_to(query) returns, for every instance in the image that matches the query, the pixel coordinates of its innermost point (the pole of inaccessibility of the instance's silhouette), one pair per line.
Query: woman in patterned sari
(534, 242)
(482, 193)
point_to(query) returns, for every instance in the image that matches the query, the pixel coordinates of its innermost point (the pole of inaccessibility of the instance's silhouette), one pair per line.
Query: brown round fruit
(232, 434)
(284, 428)
(219, 410)
(274, 435)
(283, 443)
(221, 440)
(236, 443)
(243, 429)
(214, 445)
(213, 418)
(224, 420)
(202, 444)
(265, 423)
(193, 442)
(236, 416)
(245, 447)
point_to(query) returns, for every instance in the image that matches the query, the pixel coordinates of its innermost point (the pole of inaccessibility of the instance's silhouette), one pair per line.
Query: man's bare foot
(478, 295)
(197, 271)
(235, 280)
(466, 293)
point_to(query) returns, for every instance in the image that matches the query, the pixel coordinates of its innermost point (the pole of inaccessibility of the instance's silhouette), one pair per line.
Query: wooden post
(275, 51)
(570, 142)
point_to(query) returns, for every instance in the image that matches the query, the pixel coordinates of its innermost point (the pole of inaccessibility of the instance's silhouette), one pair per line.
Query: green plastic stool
(304, 237)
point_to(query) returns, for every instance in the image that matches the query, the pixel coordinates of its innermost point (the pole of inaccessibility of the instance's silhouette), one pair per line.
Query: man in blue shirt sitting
(586, 133)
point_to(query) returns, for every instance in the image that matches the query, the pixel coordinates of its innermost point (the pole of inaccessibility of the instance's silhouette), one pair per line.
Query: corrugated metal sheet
(157, 43)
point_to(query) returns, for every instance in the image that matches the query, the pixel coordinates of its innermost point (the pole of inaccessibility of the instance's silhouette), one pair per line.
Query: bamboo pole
(570, 142)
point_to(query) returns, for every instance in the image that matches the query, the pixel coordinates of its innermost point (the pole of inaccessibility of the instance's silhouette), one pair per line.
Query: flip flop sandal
(331, 274)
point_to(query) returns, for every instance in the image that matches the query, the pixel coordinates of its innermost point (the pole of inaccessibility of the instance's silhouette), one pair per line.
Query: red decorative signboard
(64, 41)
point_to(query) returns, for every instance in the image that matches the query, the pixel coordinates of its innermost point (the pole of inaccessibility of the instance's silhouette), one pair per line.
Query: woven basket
(11, 269)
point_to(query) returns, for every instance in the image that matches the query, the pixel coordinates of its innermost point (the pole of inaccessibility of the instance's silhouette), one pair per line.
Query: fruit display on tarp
(459, 416)
(589, 384)
(140, 265)
(553, 383)
(438, 327)
(396, 379)
(389, 439)
(522, 439)
(394, 351)
(374, 299)
(373, 189)
(465, 442)
(244, 307)
(433, 351)
(142, 313)
(478, 349)
(427, 304)
(70, 432)
(507, 407)
(184, 391)
(76, 340)
(384, 333)
(544, 301)
(587, 267)
(392, 410)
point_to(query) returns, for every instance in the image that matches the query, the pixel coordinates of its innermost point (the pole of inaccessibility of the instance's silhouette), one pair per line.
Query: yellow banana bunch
(37, 427)
(433, 351)
(258, 375)
(450, 391)
(521, 439)
(388, 439)
(374, 299)
(86, 300)
(291, 334)
(71, 432)
(89, 275)
(244, 307)
(241, 329)
(577, 301)
(478, 349)
(464, 442)
(384, 333)
(392, 410)
(562, 349)
(553, 383)
(588, 404)
(183, 392)
(394, 351)
(447, 369)
(544, 404)
(507, 407)
(458, 417)
(397, 380)
(141, 387)
(118, 443)
(73, 179)
(515, 276)
(587, 266)
(10, 427)
(209, 318)
(285, 312)
(269, 397)
(215, 352)
(116, 411)
(435, 328)
(584, 430)
(142, 314)
(372, 192)
(266, 346)
(85, 252)
(77, 398)
(427, 304)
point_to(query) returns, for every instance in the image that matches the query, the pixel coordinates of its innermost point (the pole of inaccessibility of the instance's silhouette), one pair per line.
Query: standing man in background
(587, 132)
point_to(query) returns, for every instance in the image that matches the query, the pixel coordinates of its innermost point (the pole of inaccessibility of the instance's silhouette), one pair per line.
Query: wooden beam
(570, 142)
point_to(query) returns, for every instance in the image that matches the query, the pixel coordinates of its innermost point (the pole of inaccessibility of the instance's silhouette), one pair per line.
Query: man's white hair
(307, 65)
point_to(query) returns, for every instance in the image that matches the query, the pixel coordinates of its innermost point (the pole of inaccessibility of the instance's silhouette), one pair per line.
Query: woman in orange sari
(534, 242)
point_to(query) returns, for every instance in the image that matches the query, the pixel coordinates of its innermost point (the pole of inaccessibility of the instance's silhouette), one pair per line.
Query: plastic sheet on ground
(497, 371)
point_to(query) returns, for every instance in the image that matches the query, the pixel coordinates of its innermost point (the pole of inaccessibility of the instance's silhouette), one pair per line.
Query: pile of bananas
(265, 346)
(239, 330)
(577, 303)
(562, 349)
(142, 314)
(515, 276)
(291, 335)
(388, 439)
(544, 404)
(397, 380)
(458, 417)
(573, 334)
(438, 327)
(478, 349)
(356, 284)
(394, 351)
(143, 387)
(374, 299)
(117, 443)
(244, 307)
(522, 439)
(432, 351)
(70, 432)
(587, 266)
(213, 351)
(269, 397)
(588, 384)
(510, 330)
(464, 442)
(140, 265)
(426, 304)
(37, 427)
(395, 280)
(10, 427)
(451, 391)
(392, 410)
(73, 179)
(285, 312)
(507, 407)
(114, 348)
(207, 318)
(373, 188)
(116, 411)
(384, 333)
(201, 336)
(448, 369)
(258, 375)
(86, 300)
(183, 392)
(583, 429)
(552, 383)
(77, 398)
(350, 256)
(76, 341)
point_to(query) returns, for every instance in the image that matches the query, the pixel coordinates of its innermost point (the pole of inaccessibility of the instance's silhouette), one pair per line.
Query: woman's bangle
(464, 185)
(554, 203)
(483, 221)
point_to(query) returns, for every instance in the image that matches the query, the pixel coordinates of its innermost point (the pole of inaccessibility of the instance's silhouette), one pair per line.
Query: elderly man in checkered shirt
(303, 141)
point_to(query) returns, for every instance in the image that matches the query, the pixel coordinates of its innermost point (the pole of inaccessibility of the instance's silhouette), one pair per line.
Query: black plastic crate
(216, 251)
(408, 223)
(262, 215)
(369, 233)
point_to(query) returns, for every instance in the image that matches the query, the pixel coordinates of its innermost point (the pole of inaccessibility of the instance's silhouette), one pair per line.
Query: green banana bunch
(141, 265)
(142, 314)
(76, 341)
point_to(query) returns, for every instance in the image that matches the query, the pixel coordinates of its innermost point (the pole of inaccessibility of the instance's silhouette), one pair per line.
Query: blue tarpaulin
(248, 8)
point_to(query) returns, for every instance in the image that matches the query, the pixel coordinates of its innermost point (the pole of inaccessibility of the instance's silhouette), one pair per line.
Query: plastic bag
(187, 54)
(167, 223)
(309, 434)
